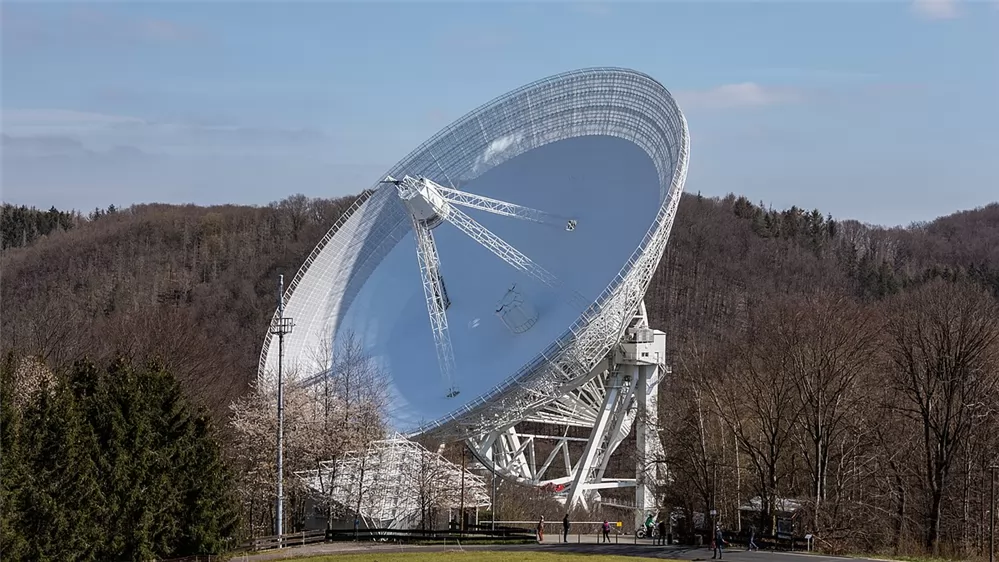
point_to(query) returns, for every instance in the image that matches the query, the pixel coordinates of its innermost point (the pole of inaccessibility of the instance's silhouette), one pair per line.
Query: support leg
(645, 438)
(612, 412)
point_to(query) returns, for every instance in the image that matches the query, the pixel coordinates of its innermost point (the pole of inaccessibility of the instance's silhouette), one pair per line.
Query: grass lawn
(472, 556)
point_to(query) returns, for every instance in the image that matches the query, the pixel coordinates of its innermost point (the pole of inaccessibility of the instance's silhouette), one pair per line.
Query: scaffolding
(395, 484)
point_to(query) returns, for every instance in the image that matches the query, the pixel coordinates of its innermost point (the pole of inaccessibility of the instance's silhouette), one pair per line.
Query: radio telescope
(496, 275)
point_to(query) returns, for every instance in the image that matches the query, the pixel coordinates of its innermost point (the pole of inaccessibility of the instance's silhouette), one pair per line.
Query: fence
(500, 534)
(555, 529)
(288, 539)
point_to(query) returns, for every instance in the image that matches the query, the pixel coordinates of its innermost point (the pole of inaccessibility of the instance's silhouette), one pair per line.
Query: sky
(882, 111)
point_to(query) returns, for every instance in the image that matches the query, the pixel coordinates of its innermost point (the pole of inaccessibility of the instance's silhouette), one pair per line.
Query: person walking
(719, 541)
(541, 529)
(662, 532)
(752, 539)
(565, 528)
(606, 530)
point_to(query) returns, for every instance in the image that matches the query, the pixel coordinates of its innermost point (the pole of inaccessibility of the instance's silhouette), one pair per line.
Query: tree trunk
(818, 484)
(738, 485)
(900, 519)
(933, 529)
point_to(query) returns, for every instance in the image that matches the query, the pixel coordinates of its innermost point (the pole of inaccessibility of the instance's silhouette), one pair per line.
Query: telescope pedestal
(620, 393)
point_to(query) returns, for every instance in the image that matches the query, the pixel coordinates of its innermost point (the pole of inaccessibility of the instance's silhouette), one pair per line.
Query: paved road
(584, 544)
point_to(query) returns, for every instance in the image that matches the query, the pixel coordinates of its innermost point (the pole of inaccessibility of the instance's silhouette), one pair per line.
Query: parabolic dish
(605, 147)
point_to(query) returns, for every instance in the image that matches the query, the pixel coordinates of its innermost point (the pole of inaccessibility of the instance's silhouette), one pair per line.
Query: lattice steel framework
(604, 101)
(390, 482)
(488, 204)
(434, 292)
(619, 393)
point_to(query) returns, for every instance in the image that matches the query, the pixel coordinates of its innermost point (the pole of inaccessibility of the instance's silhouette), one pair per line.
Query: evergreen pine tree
(12, 543)
(110, 463)
(209, 516)
(60, 499)
(169, 493)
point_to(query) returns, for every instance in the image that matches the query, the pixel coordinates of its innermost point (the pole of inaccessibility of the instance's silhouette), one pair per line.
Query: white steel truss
(513, 256)
(437, 302)
(388, 483)
(428, 206)
(566, 365)
(620, 394)
(497, 207)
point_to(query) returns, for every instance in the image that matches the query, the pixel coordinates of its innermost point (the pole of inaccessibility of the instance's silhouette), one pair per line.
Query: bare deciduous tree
(342, 412)
(944, 360)
(757, 399)
(831, 342)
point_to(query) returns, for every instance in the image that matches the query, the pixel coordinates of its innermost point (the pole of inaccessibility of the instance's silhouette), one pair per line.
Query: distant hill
(726, 253)
(195, 286)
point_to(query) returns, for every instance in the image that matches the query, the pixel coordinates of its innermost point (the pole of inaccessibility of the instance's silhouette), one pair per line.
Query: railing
(595, 526)
(500, 534)
(288, 539)
(577, 529)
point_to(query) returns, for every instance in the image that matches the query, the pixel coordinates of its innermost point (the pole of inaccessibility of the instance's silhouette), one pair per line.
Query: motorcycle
(647, 532)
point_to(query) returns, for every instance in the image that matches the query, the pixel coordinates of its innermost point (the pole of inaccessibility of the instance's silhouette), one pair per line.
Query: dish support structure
(619, 393)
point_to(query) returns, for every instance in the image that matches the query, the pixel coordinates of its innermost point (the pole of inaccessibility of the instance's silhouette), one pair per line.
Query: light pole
(461, 522)
(493, 506)
(714, 496)
(280, 326)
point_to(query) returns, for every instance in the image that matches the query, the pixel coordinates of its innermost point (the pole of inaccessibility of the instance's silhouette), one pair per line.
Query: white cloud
(936, 9)
(727, 96)
(40, 145)
(81, 159)
(17, 117)
(102, 131)
(86, 179)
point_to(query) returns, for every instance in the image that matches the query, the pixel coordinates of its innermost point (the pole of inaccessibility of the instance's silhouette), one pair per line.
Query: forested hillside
(196, 285)
(743, 292)
(192, 286)
(21, 226)
(726, 255)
